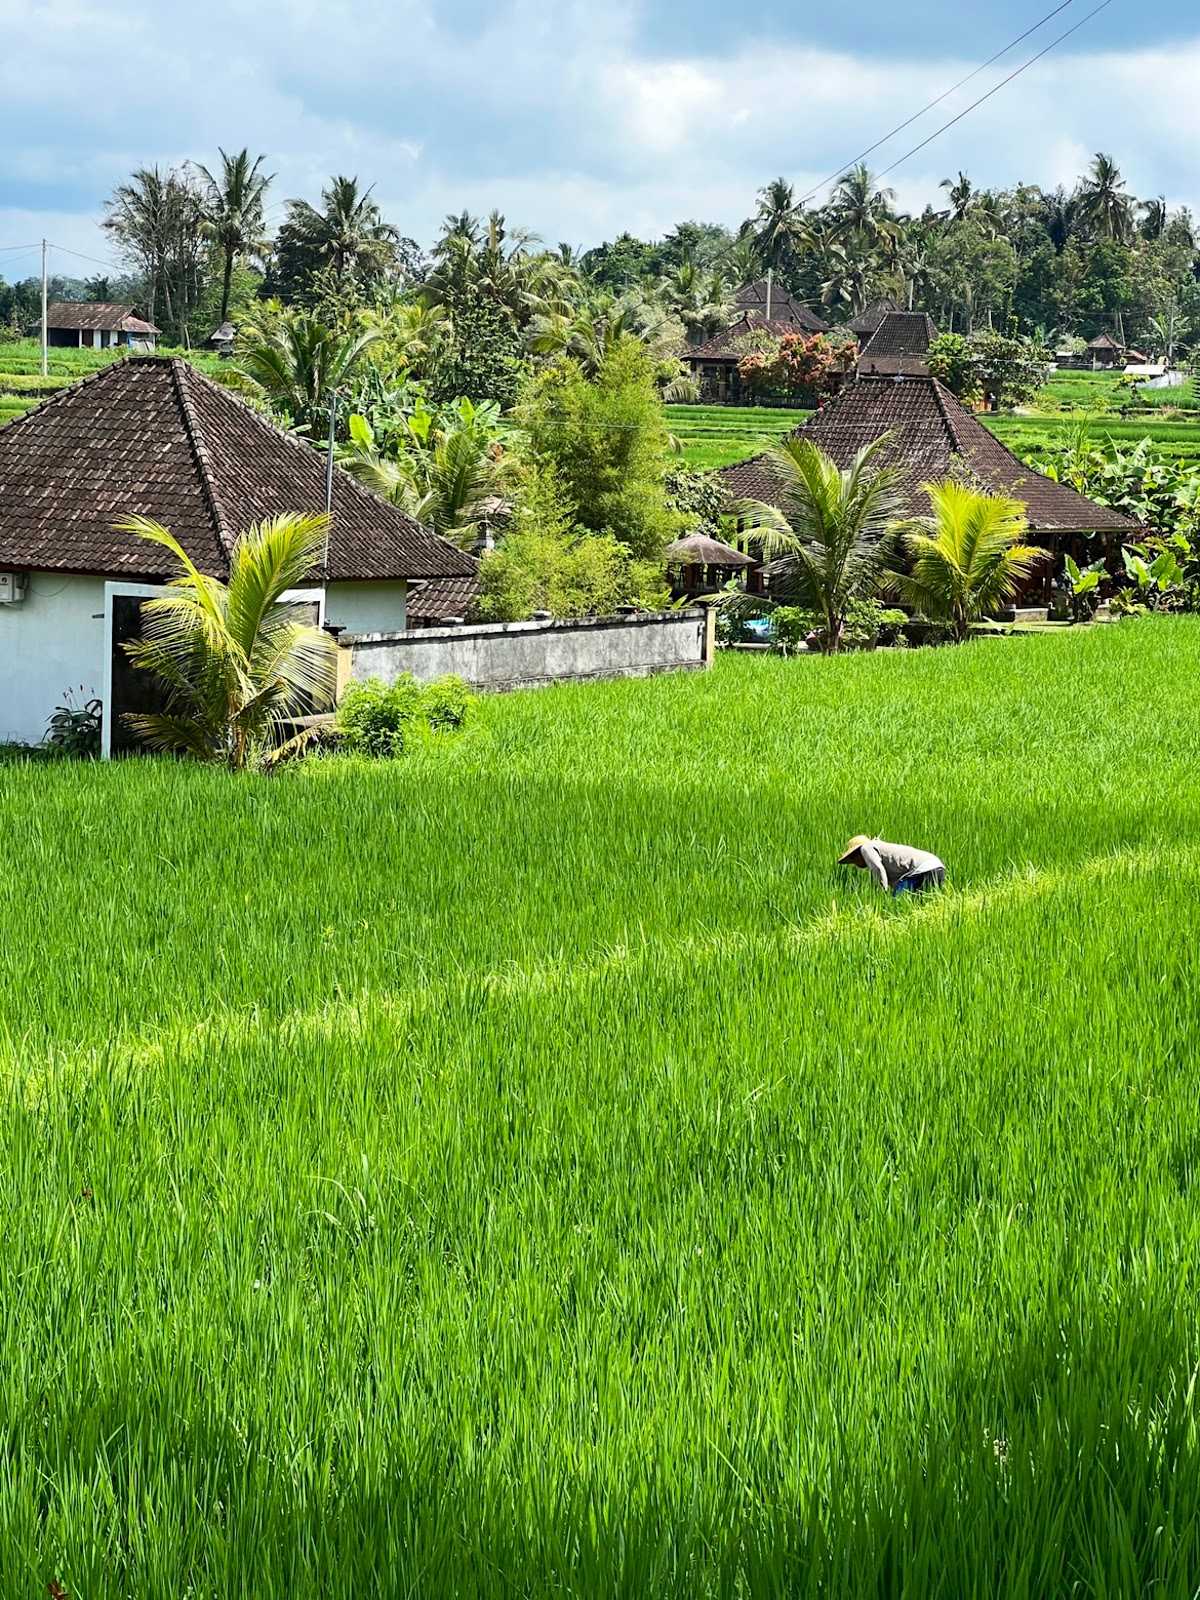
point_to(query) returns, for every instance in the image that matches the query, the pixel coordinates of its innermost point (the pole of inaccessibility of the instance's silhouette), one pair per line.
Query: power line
(6, 248)
(916, 117)
(1004, 82)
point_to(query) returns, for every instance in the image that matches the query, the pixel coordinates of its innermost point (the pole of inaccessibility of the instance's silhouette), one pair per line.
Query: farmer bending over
(900, 868)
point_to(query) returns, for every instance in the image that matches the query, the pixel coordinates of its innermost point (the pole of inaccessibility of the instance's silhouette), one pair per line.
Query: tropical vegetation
(235, 664)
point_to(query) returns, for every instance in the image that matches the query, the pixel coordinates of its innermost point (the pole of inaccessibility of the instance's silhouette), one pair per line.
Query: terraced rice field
(533, 1168)
(716, 436)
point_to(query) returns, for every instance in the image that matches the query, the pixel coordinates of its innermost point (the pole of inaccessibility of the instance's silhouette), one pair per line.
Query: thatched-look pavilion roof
(697, 550)
(931, 436)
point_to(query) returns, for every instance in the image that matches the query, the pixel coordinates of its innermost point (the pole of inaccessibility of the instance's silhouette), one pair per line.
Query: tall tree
(234, 203)
(347, 239)
(156, 221)
(782, 234)
(1104, 203)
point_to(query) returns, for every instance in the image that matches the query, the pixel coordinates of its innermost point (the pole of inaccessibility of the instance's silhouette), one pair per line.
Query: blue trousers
(920, 882)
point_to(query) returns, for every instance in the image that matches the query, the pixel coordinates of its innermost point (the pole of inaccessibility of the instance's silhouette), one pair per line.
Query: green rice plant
(533, 1168)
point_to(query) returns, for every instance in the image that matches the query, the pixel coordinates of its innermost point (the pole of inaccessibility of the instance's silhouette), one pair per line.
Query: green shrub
(791, 626)
(870, 622)
(380, 719)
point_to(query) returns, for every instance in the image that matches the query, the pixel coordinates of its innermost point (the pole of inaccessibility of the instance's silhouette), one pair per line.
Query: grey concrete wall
(526, 655)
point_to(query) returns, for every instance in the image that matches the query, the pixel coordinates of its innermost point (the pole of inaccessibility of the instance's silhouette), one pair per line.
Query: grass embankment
(533, 1168)
(716, 436)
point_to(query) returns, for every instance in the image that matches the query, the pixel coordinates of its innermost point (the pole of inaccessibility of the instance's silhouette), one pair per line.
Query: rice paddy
(532, 1168)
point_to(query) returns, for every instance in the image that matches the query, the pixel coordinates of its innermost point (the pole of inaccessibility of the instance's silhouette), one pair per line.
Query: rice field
(717, 436)
(532, 1168)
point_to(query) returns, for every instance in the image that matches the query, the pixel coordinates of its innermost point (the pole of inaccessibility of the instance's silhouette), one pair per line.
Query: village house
(898, 346)
(763, 311)
(930, 436)
(152, 437)
(95, 325)
(864, 323)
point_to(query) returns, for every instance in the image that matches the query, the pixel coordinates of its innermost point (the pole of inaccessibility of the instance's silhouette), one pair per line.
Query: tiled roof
(441, 598)
(90, 315)
(752, 297)
(932, 436)
(153, 437)
(898, 345)
(867, 322)
(731, 344)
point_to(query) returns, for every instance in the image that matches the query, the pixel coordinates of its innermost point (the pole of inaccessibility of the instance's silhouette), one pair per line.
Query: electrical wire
(917, 115)
(1004, 82)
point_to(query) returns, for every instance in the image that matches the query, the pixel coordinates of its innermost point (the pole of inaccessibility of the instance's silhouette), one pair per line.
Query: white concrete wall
(520, 655)
(50, 642)
(367, 607)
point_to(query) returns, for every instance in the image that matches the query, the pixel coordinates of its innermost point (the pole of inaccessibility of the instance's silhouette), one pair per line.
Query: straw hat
(853, 848)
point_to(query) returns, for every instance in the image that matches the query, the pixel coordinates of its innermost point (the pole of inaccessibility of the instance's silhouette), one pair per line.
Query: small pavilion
(698, 565)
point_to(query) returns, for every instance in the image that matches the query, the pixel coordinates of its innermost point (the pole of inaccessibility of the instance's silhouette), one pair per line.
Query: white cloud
(547, 111)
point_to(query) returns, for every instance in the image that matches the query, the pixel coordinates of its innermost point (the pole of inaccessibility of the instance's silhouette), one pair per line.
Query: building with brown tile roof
(898, 346)
(864, 323)
(932, 436)
(771, 302)
(153, 437)
(97, 325)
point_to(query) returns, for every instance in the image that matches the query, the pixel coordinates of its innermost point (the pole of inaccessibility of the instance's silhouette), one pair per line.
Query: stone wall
(527, 655)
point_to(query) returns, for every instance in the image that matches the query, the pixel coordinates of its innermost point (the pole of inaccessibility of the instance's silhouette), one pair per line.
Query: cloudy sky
(578, 118)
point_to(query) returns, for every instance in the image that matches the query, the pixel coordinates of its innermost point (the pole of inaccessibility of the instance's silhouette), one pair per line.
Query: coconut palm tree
(348, 235)
(861, 213)
(299, 364)
(828, 538)
(1104, 203)
(235, 664)
(961, 195)
(968, 558)
(782, 235)
(233, 207)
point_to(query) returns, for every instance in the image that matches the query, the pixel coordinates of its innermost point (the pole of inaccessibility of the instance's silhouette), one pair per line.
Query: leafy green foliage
(605, 440)
(235, 664)
(378, 719)
(75, 730)
(828, 539)
(546, 562)
(966, 560)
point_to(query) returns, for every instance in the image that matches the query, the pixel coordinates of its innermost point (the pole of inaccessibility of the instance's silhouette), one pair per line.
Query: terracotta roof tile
(152, 436)
(898, 345)
(433, 602)
(752, 297)
(90, 315)
(933, 435)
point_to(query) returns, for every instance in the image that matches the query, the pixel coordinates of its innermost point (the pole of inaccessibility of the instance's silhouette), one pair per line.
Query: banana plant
(1082, 585)
(1153, 580)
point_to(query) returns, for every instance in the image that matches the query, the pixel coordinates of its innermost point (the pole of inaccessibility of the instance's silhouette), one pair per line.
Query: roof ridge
(225, 536)
(939, 395)
(342, 478)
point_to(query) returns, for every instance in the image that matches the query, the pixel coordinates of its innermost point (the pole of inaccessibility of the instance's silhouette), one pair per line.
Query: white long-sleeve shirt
(889, 863)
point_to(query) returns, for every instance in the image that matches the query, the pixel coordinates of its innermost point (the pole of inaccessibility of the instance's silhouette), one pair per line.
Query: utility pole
(770, 280)
(333, 402)
(45, 334)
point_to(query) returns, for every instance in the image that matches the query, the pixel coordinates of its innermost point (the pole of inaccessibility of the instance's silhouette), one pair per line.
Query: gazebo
(699, 565)
(1104, 351)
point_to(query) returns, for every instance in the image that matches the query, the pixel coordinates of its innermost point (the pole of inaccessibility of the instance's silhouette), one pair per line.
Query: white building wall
(50, 642)
(367, 607)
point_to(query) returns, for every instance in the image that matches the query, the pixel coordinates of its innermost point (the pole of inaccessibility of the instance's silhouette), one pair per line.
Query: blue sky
(576, 118)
